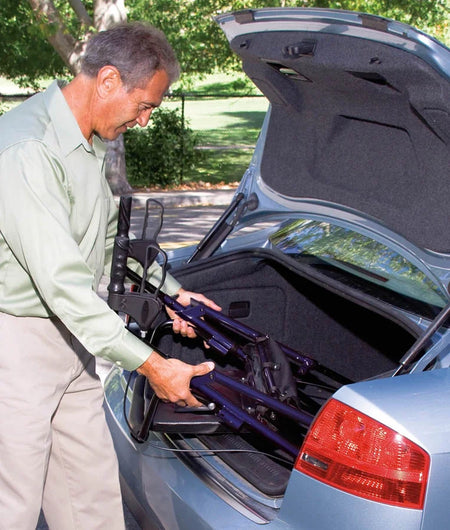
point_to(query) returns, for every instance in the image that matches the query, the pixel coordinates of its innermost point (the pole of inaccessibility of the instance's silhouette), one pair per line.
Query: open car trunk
(266, 292)
(260, 290)
(351, 173)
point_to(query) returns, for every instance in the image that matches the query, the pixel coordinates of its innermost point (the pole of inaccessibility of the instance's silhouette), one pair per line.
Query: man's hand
(170, 378)
(184, 298)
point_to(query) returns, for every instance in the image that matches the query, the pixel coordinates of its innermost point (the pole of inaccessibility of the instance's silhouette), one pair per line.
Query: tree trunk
(106, 14)
(109, 12)
(116, 171)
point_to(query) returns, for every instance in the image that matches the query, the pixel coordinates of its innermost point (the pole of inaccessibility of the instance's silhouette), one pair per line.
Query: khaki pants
(55, 447)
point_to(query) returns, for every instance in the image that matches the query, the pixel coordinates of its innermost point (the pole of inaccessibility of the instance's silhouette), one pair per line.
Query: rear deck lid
(360, 114)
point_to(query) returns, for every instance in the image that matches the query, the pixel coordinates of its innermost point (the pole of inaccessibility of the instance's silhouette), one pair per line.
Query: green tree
(25, 55)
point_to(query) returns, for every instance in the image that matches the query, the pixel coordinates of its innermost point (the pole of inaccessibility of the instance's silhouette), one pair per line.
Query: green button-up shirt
(58, 220)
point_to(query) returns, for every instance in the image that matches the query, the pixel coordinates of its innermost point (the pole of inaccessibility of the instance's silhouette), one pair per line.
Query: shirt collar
(66, 126)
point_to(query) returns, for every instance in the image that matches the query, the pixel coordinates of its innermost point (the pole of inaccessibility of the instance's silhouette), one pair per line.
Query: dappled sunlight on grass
(205, 114)
(221, 166)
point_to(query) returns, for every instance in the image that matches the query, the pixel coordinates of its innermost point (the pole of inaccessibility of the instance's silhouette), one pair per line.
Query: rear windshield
(360, 261)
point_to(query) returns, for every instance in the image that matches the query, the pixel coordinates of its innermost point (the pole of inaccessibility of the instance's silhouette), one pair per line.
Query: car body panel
(403, 404)
(311, 505)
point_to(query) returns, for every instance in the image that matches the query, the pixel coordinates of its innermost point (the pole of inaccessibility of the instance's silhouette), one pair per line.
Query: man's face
(127, 109)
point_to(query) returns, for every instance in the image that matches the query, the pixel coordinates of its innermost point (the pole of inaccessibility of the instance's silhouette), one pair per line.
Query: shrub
(160, 154)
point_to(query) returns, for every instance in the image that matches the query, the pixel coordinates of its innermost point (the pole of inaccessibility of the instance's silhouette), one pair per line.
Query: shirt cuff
(133, 352)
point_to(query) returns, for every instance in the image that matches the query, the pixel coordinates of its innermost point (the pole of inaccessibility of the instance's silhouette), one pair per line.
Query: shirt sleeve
(35, 223)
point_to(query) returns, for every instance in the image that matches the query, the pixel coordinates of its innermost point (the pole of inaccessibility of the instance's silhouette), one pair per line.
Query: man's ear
(108, 81)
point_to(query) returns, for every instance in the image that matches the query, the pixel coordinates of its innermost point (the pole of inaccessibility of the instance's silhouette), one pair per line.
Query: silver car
(337, 247)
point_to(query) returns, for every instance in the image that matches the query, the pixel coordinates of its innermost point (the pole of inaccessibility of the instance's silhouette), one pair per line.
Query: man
(57, 225)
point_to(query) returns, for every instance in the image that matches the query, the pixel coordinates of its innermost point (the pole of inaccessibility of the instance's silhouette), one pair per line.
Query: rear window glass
(343, 253)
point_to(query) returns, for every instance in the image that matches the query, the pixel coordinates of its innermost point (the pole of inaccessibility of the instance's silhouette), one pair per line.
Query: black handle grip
(121, 248)
(123, 223)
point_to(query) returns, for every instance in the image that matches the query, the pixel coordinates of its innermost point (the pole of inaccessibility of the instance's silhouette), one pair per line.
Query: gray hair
(136, 49)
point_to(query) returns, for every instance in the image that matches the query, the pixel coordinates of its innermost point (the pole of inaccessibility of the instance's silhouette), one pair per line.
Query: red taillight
(353, 452)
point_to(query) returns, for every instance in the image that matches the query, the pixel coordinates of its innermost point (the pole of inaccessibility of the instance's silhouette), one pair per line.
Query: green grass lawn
(219, 167)
(228, 128)
(224, 122)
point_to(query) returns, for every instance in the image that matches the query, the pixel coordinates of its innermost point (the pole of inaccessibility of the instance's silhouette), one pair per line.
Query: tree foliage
(162, 152)
(31, 30)
(202, 47)
(25, 55)
(46, 38)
